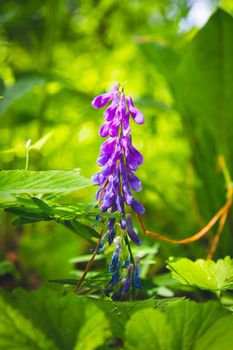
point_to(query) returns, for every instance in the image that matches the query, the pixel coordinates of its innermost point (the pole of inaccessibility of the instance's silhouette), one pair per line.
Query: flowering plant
(119, 160)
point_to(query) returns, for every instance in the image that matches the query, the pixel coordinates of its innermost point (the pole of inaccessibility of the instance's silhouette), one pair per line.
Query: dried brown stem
(89, 264)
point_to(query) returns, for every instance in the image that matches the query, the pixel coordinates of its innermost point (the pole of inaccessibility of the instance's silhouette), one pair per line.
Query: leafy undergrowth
(46, 320)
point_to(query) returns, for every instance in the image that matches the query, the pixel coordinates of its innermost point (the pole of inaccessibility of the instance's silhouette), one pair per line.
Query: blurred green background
(55, 56)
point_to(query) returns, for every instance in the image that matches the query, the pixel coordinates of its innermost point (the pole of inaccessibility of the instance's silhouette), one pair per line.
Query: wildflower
(119, 160)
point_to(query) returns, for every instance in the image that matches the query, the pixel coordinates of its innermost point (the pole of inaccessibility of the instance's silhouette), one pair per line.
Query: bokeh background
(55, 56)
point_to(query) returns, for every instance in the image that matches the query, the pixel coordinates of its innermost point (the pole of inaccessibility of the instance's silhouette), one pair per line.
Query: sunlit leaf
(203, 274)
(15, 182)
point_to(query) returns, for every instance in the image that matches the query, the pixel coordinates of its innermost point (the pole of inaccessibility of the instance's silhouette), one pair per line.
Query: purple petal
(108, 145)
(101, 100)
(103, 159)
(125, 126)
(115, 259)
(114, 128)
(136, 275)
(136, 114)
(132, 234)
(104, 129)
(137, 207)
(99, 178)
(125, 186)
(134, 182)
(122, 105)
(128, 280)
(110, 112)
(123, 224)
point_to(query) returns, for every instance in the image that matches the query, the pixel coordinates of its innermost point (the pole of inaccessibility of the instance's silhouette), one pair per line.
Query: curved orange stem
(220, 214)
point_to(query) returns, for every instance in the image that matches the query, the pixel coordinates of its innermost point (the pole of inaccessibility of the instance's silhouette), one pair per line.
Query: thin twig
(89, 264)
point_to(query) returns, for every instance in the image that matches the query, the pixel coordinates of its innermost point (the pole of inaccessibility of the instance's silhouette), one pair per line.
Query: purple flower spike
(119, 160)
(132, 234)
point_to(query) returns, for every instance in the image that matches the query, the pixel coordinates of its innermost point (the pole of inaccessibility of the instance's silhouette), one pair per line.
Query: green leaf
(19, 333)
(119, 313)
(18, 182)
(83, 230)
(43, 206)
(185, 326)
(64, 320)
(95, 330)
(203, 274)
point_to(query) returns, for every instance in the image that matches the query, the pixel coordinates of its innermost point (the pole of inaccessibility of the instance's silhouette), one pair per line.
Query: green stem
(129, 249)
(27, 158)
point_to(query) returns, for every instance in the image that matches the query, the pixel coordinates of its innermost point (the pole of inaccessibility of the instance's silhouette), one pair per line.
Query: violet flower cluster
(119, 160)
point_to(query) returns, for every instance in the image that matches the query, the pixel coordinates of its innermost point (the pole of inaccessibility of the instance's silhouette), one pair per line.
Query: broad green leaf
(19, 333)
(203, 274)
(185, 326)
(62, 319)
(18, 182)
(119, 313)
(94, 332)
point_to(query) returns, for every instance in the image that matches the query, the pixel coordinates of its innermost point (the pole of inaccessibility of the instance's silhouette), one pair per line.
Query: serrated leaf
(185, 326)
(203, 274)
(119, 313)
(18, 182)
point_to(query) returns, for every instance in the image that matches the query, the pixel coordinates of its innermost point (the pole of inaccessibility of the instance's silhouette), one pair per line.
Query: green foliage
(45, 320)
(37, 318)
(16, 332)
(119, 313)
(204, 274)
(55, 56)
(185, 326)
(201, 82)
(18, 182)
